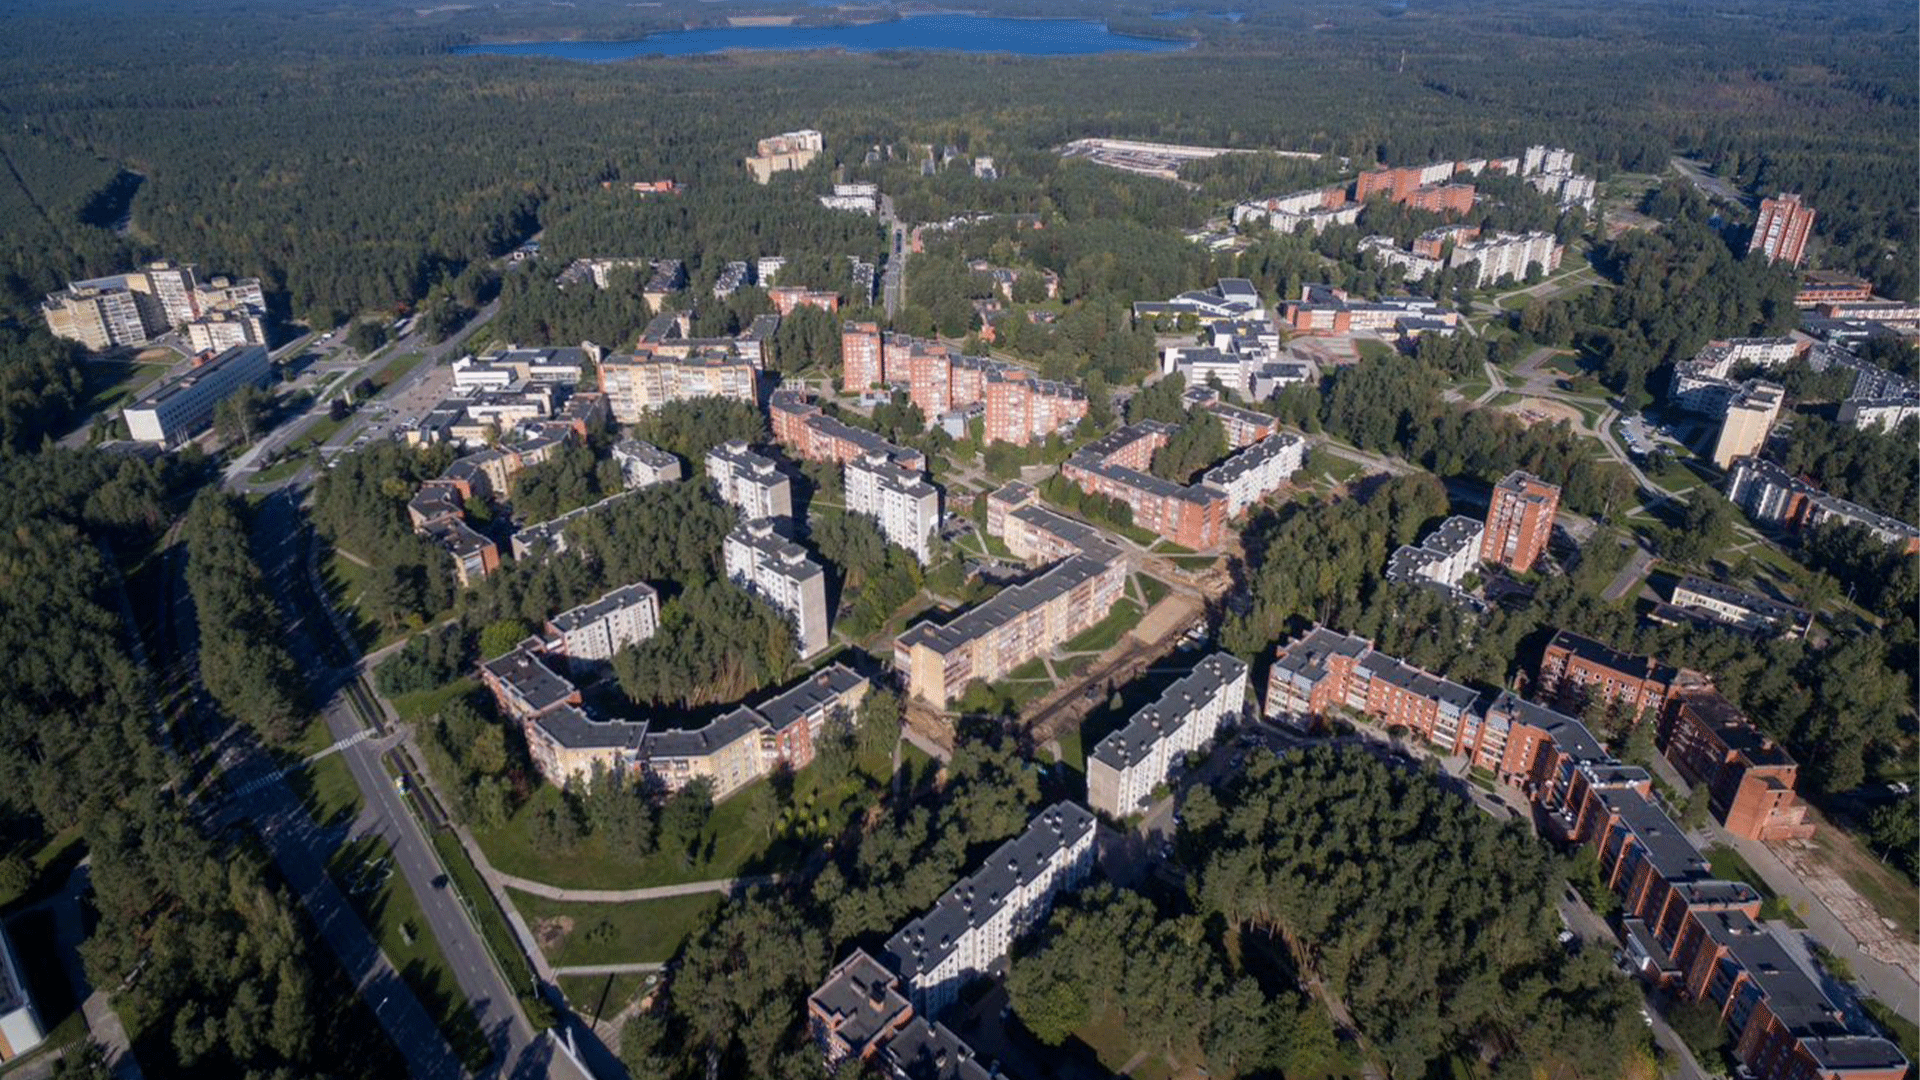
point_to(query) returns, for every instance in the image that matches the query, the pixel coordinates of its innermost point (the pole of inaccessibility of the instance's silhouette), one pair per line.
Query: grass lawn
(52, 861)
(1902, 1030)
(281, 469)
(1372, 350)
(1331, 468)
(1167, 547)
(1104, 634)
(326, 427)
(364, 870)
(1473, 388)
(604, 996)
(397, 370)
(1729, 865)
(1073, 753)
(1504, 398)
(1152, 588)
(1194, 563)
(327, 787)
(110, 384)
(727, 847)
(1892, 895)
(424, 703)
(650, 931)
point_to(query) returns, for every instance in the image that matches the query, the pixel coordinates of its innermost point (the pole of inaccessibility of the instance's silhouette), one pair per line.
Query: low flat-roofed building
(1699, 600)
(178, 407)
(1127, 765)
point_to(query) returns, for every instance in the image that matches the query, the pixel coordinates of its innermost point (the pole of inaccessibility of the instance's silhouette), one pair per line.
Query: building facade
(176, 408)
(898, 499)
(767, 562)
(1780, 233)
(1017, 624)
(1519, 521)
(592, 633)
(1115, 466)
(1578, 671)
(1257, 471)
(750, 483)
(1127, 765)
(21, 1030)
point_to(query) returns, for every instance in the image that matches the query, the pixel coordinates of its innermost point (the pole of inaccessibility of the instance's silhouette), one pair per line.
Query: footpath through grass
(649, 931)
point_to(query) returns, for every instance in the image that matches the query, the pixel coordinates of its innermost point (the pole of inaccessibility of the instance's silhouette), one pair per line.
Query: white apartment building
(906, 507)
(976, 922)
(176, 408)
(1257, 471)
(1444, 558)
(644, 464)
(749, 482)
(1571, 189)
(1503, 255)
(1388, 253)
(859, 198)
(1129, 763)
(20, 1027)
(769, 564)
(592, 633)
(219, 331)
(1537, 159)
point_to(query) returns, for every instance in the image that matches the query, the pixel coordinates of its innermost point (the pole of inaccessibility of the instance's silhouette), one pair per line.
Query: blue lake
(963, 33)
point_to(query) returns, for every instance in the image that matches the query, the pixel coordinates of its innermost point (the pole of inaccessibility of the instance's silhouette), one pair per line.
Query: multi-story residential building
(1519, 521)
(1231, 298)
(1389, 253)
(1507, 255)
(218, 331)
(1749, 777)
(1705, 385)
(178, 407)
(1130, 763)
(21, 1030)
(906, 506)
(474, 555)
(859, 198)
(1022, 409)
(734, 276)
(763, 559)
(1257, 471)
(1879, 399)
(732, 750)
(976, 922)
(1780, 233)
(1115, 466)
(1820, 287)
(97, 315)
(812, 435)
(1747, 421)
(1316, 209)
(1324, 310)
(1539, 159)
(1712, 603)
(857, 1010)
(1420, 187)
(636, 385)
(643, 464)
(1571, 189)
(1770, 494)
(1579, 671)
(550, 537)
(787, 152)
(221, 293)
(1037, 535)
(859, 355)
(1243, 427)
(750, 483)
(134, 308)
(1443, 559)
(591, 633)
(1017, 624)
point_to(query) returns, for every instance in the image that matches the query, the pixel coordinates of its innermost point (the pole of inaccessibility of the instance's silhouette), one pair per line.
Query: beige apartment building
(1017, 624)
(787, 152)
(1749, 418)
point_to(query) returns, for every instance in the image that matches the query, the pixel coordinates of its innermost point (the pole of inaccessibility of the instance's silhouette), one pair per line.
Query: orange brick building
(1749, 778)
(1115, 466)
(859, 355)
(1519, 521)
(1576, 671)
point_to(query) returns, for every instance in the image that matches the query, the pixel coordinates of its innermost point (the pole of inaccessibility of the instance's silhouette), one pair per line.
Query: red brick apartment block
(1519, 521)
(1576, 671)
(859, 355)
(1781, 232)
(1749, 777)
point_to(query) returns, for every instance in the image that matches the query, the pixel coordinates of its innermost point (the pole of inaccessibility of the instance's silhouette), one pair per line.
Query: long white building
(1501, 255)
(171, 411)
(906, 507)
(977, 920)
(749, 482)
(769, 564)
(592, 633)
(1129, 763)
(1257, 471)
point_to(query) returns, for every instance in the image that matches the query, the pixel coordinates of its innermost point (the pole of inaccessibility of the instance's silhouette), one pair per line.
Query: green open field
(645, 932)
(1728, 865)
(1106, 633)
(326, 786)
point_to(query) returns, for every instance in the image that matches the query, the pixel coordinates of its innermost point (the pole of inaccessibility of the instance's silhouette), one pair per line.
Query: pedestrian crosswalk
(276, 775)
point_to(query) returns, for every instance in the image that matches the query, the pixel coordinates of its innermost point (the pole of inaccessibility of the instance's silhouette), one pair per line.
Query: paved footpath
(729, 886)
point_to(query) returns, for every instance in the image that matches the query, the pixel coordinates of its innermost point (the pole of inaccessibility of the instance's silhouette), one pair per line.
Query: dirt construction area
(1535, 410)
(1823, 867)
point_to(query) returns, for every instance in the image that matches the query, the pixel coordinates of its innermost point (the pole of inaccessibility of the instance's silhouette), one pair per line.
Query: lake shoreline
(962, 32)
